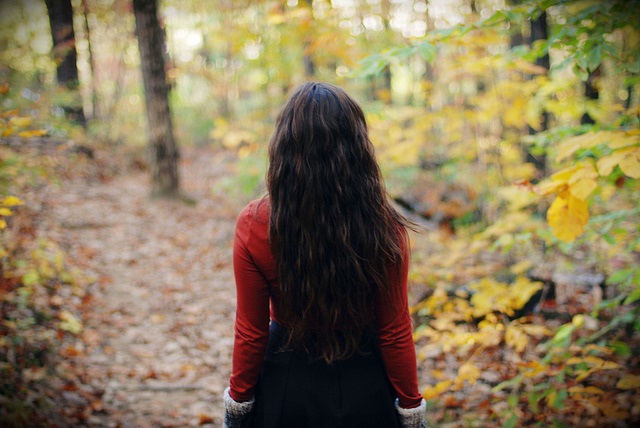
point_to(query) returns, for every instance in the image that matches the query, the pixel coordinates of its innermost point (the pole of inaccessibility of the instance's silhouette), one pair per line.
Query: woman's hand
(413, 418)
(236, 414)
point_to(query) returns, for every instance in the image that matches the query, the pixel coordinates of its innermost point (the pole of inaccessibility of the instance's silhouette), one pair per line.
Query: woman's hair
(332, 231)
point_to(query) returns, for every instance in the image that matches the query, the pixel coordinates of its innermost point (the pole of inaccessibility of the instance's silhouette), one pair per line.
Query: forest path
(158, 337)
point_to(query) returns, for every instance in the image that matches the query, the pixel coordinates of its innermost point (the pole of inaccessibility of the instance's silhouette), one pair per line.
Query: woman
(323, 335)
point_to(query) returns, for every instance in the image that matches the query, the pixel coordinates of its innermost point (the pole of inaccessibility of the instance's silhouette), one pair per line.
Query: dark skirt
(294, 391)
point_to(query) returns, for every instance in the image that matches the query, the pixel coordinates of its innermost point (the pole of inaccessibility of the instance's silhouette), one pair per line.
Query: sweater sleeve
(252, 313)
(396, 335)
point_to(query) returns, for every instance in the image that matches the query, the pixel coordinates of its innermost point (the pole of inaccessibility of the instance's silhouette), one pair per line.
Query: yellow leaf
(583, 182)
(11, 201)
(521, 267)
(557, 182)
(20, 122)
(516, 338)
(468, 372)
(567, 216)
(630, 164)
(3, 223)
(9, 113)
(612, 409)
(624, 139)
(616, 140)
(70, 322)
(593, 361)
(433, 391)
(533, 369)
(608, 163)
(585, 389)
(536, 330)
(574, 360)
(628, 159)
(578, 320)
(575, 143)
(629, 381)
(5, 212)
(32, 133)
(521, 291)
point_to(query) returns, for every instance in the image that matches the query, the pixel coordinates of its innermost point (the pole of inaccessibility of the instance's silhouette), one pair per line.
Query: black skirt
(294, 391)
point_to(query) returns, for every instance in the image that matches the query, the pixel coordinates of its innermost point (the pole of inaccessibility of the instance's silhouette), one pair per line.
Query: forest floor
(158, 331)
(155, 294)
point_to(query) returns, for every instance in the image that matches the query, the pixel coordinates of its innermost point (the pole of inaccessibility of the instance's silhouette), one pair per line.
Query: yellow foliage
(70, 322)
(11, 201)
(468, 372)
(517, 335)
(434, 391)
(20, 122)
(583, 181)
(610, 408)
(32, 133)
(557, 182)
(616, 140)
(585, 390)
(628, 159)
(595, 364)
(567, 216)
(492, 295)
(521, 290)
(629, 381)
(532, 369)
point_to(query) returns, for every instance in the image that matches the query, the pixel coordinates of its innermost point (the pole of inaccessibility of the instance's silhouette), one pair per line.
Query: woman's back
(325, 258)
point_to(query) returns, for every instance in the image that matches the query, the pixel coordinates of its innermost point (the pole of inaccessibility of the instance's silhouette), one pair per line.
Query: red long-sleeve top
(256, 279)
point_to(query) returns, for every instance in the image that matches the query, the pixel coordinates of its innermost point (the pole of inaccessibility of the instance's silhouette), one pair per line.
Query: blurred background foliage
(509, 128)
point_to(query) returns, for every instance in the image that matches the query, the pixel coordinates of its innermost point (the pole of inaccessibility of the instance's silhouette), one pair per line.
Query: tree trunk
(164, 153)
(309, 64)
(65, 55)
(92, 66)
(539, 32)
(591, 93)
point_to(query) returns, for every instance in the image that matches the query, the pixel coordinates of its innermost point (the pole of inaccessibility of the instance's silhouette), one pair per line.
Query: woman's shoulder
(256, 210)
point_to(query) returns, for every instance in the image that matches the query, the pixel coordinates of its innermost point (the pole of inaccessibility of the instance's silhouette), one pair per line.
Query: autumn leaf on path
(629, 381)
(434, 391)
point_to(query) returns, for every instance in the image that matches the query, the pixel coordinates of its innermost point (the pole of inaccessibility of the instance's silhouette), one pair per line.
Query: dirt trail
(159, 335)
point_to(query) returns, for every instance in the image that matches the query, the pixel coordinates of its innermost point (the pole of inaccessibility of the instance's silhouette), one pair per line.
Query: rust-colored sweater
(256, 285)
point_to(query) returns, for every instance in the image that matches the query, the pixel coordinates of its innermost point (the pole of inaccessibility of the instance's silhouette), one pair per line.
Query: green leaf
(511, 422)
(621, 349)
(633, 297)
(594, 58)
(633, 244)
(621, 276)
(31, 278)
(563, 335)
(634, 67)
(428, 51)
(580, 72)
(558, 403)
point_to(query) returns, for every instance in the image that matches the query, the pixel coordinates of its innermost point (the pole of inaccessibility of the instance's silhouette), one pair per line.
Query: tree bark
(309, 64)
(92, 66)
(539, 32)
(591, 93)
(65, 55)
(163, 149)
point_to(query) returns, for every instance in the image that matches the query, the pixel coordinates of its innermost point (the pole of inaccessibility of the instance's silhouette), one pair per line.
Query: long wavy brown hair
(333, 233)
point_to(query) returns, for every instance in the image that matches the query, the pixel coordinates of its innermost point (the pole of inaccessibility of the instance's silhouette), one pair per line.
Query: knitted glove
(413, 418)
(236, 414)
